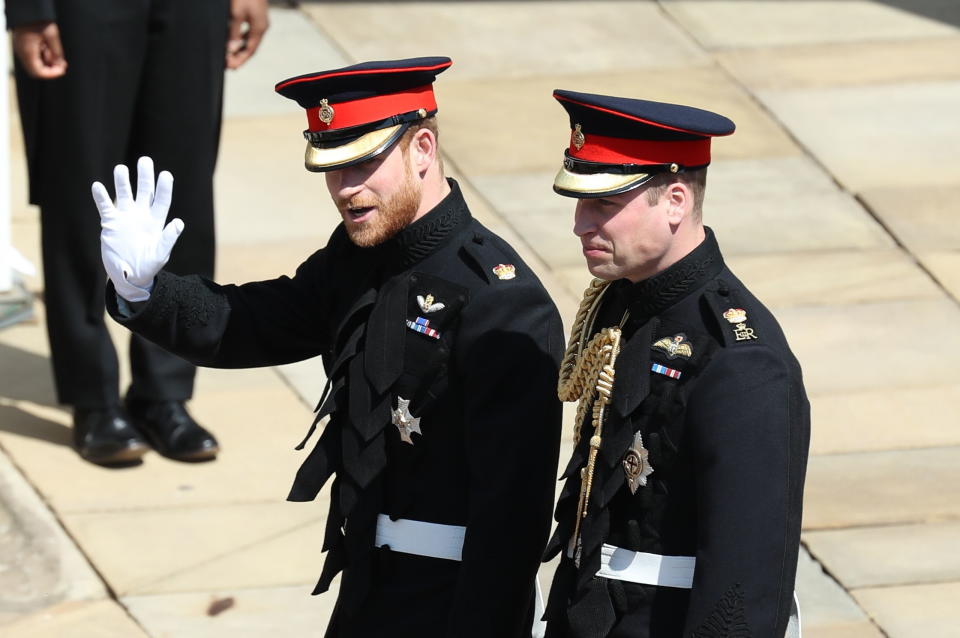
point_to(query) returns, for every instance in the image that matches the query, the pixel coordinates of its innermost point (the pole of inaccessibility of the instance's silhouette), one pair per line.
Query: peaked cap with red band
(618, 144)
(359, 111)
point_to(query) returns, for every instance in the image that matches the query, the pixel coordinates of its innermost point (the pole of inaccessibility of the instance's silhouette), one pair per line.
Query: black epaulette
(495, 265)
(731, 314)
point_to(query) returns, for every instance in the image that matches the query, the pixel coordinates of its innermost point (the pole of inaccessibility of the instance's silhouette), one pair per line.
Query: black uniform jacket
(480, 372)
(727, 443)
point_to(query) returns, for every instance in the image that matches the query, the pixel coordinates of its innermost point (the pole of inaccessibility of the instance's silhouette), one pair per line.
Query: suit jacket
(478, 362)
(707, 380)
(20, 12)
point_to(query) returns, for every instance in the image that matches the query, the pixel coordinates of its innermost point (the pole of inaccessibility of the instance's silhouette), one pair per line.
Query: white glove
(134, 244)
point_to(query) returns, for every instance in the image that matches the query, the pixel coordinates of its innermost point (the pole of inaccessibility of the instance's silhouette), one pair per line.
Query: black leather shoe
(171, 430)
(105, 436)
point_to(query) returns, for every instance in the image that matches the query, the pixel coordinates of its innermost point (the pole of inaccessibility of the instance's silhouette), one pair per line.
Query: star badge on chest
(406, 423)
(636, 464)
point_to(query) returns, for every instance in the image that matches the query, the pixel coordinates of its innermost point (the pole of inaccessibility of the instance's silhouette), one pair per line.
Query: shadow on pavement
(14, 420)
(25, 376)
(946, 11)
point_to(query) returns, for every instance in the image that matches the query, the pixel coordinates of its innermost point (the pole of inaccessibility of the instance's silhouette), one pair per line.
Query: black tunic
(727, 442)
(484, 389)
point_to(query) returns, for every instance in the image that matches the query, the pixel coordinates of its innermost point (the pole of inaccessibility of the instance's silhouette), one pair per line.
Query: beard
(393, 214)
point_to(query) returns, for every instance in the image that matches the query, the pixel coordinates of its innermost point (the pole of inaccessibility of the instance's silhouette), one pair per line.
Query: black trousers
(145, 77)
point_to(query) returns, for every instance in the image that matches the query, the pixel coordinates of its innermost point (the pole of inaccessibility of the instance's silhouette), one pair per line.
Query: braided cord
(587, 375)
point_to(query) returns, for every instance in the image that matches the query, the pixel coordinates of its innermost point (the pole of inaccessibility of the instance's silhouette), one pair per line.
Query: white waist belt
(667, 571)
(420, 538)
(646, 569)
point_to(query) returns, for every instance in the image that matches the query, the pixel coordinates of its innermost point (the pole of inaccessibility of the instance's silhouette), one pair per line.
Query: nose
(583, 222)
(344, 183)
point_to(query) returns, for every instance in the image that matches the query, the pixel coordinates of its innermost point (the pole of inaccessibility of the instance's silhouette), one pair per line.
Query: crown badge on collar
(735, 315)
(505, 271)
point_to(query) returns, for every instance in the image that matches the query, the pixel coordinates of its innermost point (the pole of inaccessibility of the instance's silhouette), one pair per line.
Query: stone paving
(833, 201)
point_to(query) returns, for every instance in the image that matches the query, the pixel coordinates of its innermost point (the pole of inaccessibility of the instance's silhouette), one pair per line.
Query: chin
(604, 271)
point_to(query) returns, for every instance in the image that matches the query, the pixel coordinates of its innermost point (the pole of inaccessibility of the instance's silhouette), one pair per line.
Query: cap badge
(578, 138)
(326, 112)
(636, 464)
(406, 423)
(675, 346)
(422, 326)
(505, 271)
(422, 113)
(738, 317)
(427, 304)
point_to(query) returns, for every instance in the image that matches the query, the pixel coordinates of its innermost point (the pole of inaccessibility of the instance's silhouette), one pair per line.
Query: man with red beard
(440, 346)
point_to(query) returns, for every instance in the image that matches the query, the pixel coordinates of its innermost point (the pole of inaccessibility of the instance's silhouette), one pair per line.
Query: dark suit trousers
(145, 77)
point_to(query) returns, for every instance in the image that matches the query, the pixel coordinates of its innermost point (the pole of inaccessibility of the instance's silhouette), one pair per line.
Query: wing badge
(675, 346)
(428, 304)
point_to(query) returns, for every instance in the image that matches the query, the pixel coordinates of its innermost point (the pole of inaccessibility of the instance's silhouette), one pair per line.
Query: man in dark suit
(440, 347)
(680, 516)
(101, 82)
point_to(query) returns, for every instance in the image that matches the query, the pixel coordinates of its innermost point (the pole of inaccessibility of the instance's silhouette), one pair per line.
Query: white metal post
(16, 302)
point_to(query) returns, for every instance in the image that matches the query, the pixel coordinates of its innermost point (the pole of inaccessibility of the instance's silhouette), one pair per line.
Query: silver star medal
(427, 304)
(636, 464)
(405, 422)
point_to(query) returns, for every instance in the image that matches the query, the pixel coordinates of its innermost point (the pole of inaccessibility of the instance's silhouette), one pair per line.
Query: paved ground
(833, 201)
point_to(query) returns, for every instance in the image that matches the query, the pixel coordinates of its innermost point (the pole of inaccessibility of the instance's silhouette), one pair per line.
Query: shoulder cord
(587, 374)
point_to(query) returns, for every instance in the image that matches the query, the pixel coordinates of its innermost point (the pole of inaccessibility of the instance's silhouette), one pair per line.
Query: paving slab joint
(323, 31)
(57, 559)
(808, 152)
(840, 584)
(896, 238)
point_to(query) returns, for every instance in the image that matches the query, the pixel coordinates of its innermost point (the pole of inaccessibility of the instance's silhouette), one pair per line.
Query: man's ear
(679, 202)
(423, 150)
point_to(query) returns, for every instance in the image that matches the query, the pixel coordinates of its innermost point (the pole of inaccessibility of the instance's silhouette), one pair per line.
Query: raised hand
(134, 243)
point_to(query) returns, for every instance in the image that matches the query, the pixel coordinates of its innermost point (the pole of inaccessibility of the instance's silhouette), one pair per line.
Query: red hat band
(328, 117)
(619, 150)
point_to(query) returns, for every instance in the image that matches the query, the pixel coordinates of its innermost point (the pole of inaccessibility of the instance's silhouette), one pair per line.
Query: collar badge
(505, 271)
(428, 304)
(636, 464)
(326, 112)
(406, 423)
(675, 346)
(578, 137)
